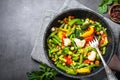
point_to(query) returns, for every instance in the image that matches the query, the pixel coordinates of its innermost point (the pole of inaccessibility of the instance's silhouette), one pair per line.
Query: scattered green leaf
(102, 9)
(103, 5)
(45, 73)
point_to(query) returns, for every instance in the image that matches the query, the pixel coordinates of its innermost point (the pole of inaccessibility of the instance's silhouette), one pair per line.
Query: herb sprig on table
(104, 4)
(45, 73)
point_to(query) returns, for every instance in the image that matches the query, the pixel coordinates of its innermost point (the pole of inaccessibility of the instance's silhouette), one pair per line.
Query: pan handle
(115, 61)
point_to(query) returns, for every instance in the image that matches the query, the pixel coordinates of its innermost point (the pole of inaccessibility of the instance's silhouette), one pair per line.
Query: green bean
(53, 33)
(65, 26)
(75, 58)
(73, 67)
(50, 55)
(82, 65)
(81, 58)
(57, 38)
(49, 46)
(77, 21)
(62, 26)
(62, 59)
(71, 31)
(56, 57)
(104, 50)
(74, 44)
(97, 57)
(71, 71)
(56, 41)
(64, 68)
(93, 66)
(103, 45)
(54, 50)
(99, 38)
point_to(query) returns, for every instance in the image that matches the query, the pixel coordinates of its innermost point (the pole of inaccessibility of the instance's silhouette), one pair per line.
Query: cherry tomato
(87, 61)
(68, 60)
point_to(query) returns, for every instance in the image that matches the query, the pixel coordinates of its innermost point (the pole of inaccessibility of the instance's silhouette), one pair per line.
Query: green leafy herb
(103, 9)
(109, 2)
(45, 73)
(103, 5)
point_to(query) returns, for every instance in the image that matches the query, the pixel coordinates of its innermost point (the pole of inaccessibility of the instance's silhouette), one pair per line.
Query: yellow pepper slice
(83, 70)
(60, 33)
(89, 32)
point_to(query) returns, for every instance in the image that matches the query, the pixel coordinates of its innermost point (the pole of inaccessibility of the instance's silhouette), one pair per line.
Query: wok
(81, 13)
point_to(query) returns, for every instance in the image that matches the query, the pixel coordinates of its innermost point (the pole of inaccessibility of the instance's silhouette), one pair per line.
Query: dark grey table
(19, 23)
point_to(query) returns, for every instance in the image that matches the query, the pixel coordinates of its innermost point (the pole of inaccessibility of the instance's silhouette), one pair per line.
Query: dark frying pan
(81, 13)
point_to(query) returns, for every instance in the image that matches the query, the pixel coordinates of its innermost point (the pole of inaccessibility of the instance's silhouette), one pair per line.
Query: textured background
(19, 25)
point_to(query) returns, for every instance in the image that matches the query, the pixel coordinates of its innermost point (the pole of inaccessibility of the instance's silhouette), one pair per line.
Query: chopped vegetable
(83, 70)
(69, 48)
(88, 32)
(66, 41)
(79, 43)
(92, 56)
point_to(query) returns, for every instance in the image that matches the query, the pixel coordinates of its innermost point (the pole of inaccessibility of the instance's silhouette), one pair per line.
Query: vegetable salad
(69, 48)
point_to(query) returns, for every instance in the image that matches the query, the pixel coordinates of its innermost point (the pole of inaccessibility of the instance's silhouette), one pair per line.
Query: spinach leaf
(103, 5)
(103, 9)
(110, 2)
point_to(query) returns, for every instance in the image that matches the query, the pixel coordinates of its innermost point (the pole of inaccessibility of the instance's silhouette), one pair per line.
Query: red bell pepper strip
(89, 38)
(65, 20)
(63, 36)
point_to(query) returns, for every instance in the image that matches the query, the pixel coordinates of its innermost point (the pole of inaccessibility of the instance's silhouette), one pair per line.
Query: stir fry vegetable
(68, 45)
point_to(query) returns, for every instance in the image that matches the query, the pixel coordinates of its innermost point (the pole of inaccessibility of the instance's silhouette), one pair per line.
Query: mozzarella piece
(79, 43)
(92, 56)
(67, 41)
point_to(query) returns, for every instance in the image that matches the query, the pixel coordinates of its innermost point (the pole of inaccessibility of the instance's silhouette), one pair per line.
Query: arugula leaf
(45, 73)
(103, 9)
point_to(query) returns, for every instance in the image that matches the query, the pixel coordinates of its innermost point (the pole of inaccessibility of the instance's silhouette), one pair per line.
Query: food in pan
(68, 45)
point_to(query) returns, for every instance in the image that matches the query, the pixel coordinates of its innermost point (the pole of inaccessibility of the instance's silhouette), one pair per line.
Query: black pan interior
(81, 13)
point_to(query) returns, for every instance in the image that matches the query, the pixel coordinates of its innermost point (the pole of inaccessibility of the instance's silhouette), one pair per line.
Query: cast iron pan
(81, 13)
